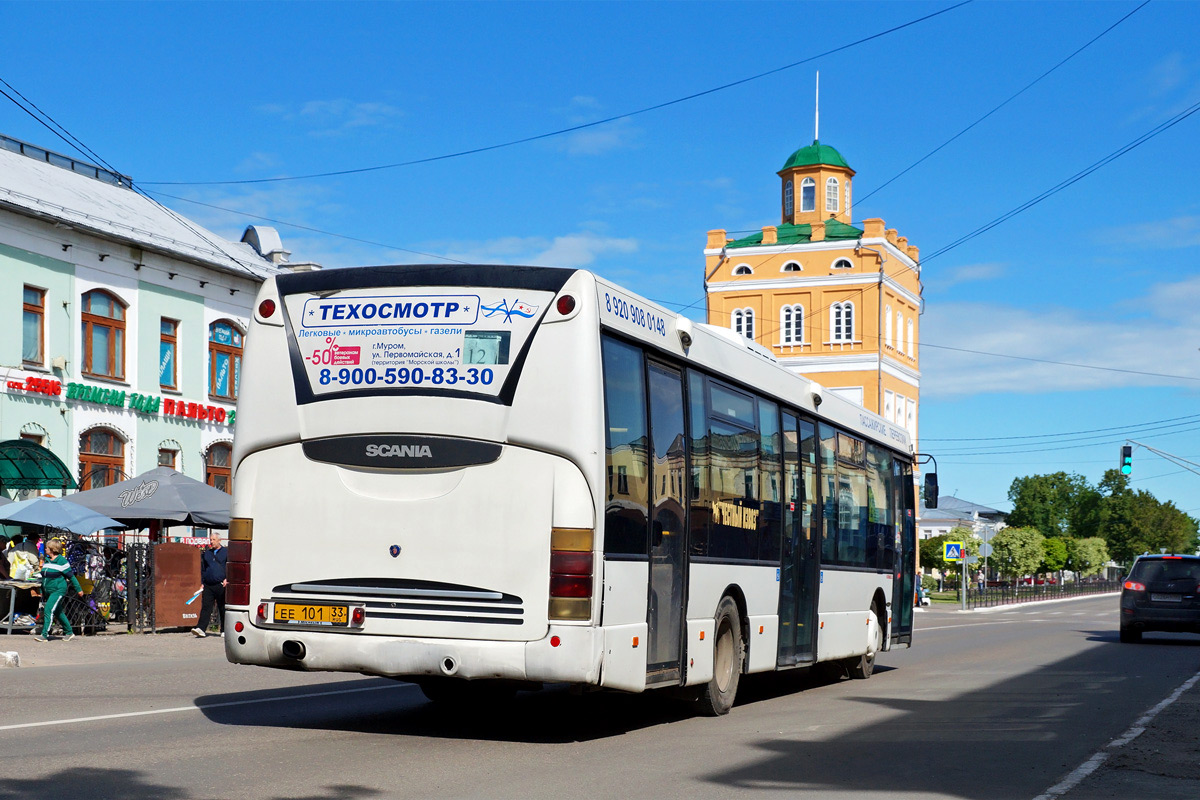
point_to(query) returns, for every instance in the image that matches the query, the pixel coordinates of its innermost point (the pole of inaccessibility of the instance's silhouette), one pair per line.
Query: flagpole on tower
(817, 111)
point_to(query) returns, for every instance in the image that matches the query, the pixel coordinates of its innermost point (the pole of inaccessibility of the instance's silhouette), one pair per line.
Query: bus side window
(701, 495)
(625, 511)
(769, 482)
(829, 493)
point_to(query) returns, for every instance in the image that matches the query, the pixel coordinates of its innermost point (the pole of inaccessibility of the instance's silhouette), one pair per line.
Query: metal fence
(1008, 595)
(139, 575)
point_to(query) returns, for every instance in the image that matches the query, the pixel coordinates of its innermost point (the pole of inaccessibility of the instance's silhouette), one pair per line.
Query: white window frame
(792, 266)
(887, 325)
(899, 331)
(832, 195)
(792, 334)
(841, 322)
(808, 203)
(741, 320)
(912, 348)
(743, 269)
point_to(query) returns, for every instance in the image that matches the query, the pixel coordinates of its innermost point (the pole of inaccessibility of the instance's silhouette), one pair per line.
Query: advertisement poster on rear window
(431, 338)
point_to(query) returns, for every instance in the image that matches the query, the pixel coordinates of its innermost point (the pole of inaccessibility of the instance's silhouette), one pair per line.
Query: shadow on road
(967, 746)
(554, 715)
(126, 784)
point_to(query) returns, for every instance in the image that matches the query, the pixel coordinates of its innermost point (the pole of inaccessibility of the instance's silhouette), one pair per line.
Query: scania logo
(398, 451)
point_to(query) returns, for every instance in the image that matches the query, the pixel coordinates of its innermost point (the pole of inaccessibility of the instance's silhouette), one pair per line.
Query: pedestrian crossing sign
(952, 551)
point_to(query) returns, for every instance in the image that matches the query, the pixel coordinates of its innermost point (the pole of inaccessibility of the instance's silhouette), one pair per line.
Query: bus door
(668, 525)
(905, 567)
(798, 574)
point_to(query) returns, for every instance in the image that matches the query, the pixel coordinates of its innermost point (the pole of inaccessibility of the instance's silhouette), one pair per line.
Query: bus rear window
(392, 339)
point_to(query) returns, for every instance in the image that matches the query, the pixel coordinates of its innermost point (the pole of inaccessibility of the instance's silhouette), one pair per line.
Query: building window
(743, 322)
(889, 405)
(36, 438)
(33, 326)
(841, 322)
(793, 324)
(216, 467)
(791, 266)
(899, 331)
(103, 335)
(912, 349)
(224, 360)
(788, 199)
(101, 458)
(168, 340)
(743, 269)
(843, 263)
(168, 458)
(887, 325)
(808, 195)
(831, 195)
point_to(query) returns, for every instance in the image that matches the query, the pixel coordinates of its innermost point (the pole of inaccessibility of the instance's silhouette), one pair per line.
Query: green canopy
(27, 465)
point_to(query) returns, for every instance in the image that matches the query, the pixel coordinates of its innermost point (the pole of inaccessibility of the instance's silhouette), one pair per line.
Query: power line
(1189, 426)
(927, 439)
(1108, 159)
(1026, 88)
(573, 128)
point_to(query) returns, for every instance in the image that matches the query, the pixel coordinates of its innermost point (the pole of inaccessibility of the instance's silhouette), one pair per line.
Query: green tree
(1056, 505)
(932, 548)
(1132, 523)
(1017, 551)
(1054, 554)
(1087, 556)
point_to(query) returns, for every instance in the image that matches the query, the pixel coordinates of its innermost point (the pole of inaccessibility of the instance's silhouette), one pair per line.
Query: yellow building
(837, 303)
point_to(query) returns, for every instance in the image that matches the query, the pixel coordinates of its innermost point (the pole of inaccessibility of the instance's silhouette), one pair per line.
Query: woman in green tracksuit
(57, 578)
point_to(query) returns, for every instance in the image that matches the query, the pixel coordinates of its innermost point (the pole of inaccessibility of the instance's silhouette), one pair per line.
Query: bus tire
(728, 654)
(863, 666)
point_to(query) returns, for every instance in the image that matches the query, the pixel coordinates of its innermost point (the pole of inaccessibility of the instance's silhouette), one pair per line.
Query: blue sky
(1102, 273)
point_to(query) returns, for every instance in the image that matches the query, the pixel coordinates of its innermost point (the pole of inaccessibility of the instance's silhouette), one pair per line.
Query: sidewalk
(107, 648)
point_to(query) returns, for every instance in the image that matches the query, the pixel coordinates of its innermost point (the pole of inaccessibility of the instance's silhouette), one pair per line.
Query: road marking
(1135, 730)
(179, 709)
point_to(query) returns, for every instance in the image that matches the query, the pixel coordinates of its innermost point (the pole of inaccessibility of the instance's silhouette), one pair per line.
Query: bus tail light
(237, 565)
(572, 568)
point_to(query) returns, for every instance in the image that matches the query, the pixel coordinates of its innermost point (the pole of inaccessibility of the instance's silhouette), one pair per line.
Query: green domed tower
(815, 186)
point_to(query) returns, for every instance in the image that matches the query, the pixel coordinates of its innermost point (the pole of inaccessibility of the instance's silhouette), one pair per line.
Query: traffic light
(1126, 459)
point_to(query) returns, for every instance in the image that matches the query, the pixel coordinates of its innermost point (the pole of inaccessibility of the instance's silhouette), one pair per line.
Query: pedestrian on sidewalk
(212, 580)
(57, 579)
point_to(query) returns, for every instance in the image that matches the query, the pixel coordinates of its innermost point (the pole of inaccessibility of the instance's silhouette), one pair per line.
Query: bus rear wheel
(862, 667)
(728, 654)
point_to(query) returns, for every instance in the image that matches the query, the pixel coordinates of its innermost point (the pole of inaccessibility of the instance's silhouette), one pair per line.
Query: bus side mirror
(931, 490)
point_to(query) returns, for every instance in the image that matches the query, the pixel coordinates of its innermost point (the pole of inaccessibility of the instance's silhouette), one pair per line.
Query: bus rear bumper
(575, 658)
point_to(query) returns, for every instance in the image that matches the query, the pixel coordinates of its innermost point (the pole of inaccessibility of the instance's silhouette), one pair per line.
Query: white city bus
(479, 478)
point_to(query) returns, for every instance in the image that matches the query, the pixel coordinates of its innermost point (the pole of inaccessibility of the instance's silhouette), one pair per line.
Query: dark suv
(1162, 593)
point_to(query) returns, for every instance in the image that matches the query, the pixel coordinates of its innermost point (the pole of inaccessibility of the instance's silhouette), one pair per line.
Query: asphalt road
(1005, 704)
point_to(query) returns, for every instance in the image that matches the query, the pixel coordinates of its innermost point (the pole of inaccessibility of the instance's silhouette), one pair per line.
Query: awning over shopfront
(27, 465)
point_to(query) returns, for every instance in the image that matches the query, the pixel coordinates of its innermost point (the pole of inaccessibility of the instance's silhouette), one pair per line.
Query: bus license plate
(296, 614)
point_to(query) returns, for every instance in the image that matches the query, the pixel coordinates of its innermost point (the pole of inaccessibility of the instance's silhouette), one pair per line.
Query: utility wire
(1108, 159)
(925, 439)
(1022, 91)
(61, 132)
(574, 128)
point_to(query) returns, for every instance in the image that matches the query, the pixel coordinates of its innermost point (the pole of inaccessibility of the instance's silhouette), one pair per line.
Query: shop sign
(148, 404)
(47, 386)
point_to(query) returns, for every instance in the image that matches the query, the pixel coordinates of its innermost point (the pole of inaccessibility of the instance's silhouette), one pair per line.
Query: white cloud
(336, 117)
(616, 135)
(571, 250)
(969, 273)
(1162, 338)
(1183, 231)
